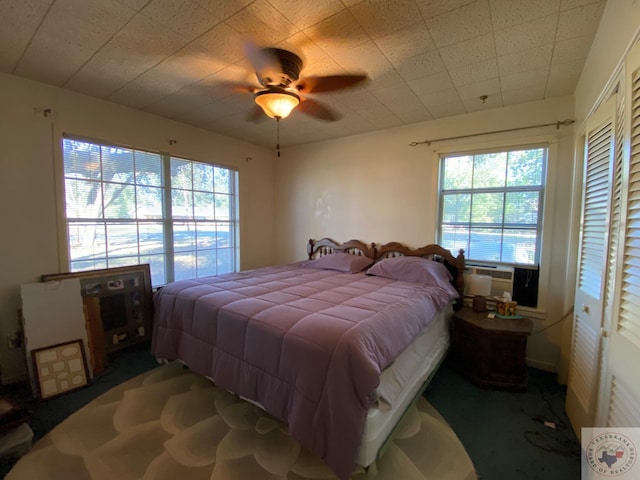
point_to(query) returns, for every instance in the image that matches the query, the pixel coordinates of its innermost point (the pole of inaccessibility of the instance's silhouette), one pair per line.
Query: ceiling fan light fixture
(276, 102)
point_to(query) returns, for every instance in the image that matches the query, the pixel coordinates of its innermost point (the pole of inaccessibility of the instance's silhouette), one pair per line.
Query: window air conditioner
(501, 278)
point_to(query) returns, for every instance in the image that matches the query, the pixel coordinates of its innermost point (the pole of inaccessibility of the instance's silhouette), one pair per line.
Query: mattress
(402, 381)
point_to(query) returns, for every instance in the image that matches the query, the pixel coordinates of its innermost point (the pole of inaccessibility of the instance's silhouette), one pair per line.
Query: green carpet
(504, 433)
(169, 423)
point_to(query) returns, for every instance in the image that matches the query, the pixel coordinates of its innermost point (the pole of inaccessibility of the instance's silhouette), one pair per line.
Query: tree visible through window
(127, 206)
(491, 204)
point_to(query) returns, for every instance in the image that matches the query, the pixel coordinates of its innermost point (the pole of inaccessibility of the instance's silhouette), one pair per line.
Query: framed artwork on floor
(60, 368)
(118, 305)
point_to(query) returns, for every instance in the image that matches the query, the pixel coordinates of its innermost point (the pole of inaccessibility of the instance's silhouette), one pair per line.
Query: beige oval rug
(170, 424)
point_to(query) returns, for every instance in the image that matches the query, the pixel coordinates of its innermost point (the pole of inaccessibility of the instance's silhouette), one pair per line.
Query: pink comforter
(308, 344)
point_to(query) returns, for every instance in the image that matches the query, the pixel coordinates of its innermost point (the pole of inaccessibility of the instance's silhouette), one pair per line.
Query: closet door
(620, 386)
(584, 369)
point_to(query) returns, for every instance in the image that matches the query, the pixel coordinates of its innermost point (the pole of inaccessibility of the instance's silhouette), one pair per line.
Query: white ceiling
(426, 58)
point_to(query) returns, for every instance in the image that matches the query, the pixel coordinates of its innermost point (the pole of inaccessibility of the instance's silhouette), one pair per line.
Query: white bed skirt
(401, 382)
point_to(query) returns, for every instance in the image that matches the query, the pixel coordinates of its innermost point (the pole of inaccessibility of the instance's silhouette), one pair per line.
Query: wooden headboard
(455, 265)
(326, 246)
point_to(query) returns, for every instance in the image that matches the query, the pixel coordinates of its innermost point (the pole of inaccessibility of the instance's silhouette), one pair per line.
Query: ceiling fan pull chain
(278, 136)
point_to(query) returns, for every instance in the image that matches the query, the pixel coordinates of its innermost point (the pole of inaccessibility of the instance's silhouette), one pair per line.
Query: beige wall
(375, 187)
(29, 192)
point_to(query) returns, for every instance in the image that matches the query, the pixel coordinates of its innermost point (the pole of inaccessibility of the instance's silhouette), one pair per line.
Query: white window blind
(126, 206)
(491, 204)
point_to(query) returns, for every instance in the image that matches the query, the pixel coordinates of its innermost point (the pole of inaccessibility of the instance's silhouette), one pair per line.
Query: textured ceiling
(426, 59)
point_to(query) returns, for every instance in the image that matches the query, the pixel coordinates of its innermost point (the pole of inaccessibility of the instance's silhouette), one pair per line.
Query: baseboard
(547, 367)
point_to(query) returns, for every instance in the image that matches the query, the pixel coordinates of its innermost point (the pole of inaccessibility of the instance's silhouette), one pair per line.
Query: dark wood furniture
(12, 414)
(490, 351)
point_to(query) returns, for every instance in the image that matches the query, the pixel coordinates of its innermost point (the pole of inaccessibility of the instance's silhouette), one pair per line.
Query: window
(125, 206)
(491, 204)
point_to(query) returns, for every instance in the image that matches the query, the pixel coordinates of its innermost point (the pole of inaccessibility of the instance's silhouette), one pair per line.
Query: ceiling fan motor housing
(290, 65)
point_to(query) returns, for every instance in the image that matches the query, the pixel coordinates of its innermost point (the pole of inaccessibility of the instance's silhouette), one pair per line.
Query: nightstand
(12, 414)
(490, 351)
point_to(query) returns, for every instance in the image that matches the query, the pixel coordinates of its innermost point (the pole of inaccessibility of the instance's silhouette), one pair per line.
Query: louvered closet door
(620, 389)
(584, 371)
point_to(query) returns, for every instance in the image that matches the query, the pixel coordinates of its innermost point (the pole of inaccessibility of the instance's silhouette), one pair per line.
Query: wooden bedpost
(310, 244)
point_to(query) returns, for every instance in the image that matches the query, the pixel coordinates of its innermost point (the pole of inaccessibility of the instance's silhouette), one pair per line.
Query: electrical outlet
(14, 339)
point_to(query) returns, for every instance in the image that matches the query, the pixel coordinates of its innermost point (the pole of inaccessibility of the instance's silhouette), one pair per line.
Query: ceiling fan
(282, 89)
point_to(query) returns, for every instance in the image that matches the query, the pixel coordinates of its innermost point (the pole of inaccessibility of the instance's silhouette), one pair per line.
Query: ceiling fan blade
(329, 83)
(237, 87)
(318, 110)
(261, 59)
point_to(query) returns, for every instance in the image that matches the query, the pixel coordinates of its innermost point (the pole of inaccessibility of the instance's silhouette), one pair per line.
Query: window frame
(167, 220)
(543, 193)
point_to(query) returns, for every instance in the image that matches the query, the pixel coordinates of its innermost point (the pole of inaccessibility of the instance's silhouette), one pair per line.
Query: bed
(337, 346)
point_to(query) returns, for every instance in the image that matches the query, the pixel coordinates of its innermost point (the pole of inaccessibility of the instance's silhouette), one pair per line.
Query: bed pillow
(413, 269)
(342, 262)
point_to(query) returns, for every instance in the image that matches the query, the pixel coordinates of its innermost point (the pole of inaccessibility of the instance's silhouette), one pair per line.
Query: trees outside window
(125, 206)
(491, 204)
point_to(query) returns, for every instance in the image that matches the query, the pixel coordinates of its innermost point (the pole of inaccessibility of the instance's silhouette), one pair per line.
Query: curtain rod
(557, 124)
